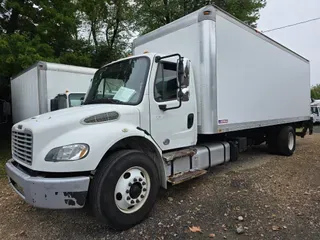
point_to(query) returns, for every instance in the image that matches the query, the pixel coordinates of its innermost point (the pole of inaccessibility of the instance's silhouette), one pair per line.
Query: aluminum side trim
(257, 124)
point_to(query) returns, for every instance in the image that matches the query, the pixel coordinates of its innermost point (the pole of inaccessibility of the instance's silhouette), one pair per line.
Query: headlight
(68, 153)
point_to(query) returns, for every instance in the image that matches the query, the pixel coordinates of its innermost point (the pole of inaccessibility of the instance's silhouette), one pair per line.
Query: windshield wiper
(103, 100)
(116, 101)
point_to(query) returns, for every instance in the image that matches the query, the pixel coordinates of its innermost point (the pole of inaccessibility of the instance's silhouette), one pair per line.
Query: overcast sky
(303, 39)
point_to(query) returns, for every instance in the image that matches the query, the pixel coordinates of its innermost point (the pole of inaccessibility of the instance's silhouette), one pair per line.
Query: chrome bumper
(54, 193)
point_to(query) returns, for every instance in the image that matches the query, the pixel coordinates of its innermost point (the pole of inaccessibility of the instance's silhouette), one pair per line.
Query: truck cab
(66, 100)
(125, 109)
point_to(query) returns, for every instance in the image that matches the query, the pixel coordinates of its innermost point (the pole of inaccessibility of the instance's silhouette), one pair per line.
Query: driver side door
(174, 128)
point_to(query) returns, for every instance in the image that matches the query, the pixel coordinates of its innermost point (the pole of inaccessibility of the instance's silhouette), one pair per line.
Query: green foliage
(110, 24)
(78, 59)
(152, 14)
(57, 24)
(315, 92)
(18, 52)
(89, 32)
(33, 30)
(18, 16)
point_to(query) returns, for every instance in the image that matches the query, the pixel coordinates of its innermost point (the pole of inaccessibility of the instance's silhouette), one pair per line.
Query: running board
(185, 176)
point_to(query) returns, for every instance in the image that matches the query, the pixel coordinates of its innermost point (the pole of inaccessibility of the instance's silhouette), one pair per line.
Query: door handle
(190, 120)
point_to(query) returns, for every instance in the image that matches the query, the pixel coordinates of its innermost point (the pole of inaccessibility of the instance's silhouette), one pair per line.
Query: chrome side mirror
(180, 71)
(186, 78)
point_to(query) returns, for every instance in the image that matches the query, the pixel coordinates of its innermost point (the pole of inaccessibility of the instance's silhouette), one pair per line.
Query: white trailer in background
(162, 117)
(33, 90)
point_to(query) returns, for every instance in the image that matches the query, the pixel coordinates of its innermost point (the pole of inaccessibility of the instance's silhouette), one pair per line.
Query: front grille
(22, 146)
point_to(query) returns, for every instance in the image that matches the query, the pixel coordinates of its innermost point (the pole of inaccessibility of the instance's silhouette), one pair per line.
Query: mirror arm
(163, 107)
(158, 58)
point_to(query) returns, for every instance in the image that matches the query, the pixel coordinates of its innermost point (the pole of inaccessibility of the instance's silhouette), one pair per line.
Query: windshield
(120, 83)
(75, 99)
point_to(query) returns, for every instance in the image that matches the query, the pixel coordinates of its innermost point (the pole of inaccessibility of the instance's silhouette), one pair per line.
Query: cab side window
(166, 85)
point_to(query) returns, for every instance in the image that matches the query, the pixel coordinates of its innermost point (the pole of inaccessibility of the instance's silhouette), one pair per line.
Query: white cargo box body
(243, 78)
(32, 90)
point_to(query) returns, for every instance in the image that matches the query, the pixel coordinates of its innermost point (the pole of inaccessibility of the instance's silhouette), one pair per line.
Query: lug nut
(140, 179)
(132, 202)
(142, 196)
(135, 180)
(128, 198)
(144, 183)
(127, 191)
(137, 201)
(130, 184)
(144, 189)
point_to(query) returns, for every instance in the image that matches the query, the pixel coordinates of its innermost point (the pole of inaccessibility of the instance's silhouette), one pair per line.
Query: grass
(5, 155)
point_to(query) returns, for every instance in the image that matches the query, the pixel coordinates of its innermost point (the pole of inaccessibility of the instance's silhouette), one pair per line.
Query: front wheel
(124, 189)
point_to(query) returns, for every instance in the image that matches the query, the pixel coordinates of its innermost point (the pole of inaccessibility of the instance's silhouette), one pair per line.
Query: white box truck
(212, 87)
(45, 87)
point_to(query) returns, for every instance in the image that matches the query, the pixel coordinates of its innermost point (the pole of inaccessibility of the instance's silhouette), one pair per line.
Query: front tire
(124, 189)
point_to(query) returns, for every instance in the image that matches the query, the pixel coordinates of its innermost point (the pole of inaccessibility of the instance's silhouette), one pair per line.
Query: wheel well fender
(146, 145)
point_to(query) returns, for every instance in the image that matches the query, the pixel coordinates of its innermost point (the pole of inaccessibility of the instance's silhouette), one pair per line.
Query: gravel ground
(263, 196)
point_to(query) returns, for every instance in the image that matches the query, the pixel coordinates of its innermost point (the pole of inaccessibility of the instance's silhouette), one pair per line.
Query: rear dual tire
(282, 141)
(124, 189)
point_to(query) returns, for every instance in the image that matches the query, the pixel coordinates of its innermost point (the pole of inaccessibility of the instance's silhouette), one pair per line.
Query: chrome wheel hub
(132, 189)
(291, 141)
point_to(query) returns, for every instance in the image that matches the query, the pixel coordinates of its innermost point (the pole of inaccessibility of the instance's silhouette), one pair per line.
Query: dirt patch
(261, 196)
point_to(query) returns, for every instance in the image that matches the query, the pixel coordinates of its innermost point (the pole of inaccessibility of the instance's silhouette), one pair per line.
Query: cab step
(171, 156)
(185, 176)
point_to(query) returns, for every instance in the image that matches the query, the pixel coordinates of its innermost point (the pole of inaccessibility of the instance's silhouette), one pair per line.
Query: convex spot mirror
(186, 78)
(183, 70)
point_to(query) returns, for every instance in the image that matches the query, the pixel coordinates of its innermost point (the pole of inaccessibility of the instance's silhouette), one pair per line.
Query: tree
(18, 16)
(315, 92)
(109, 23)
(33, 30)
(58, 24)
(152, 14)
(18, 53)
(90, 33)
